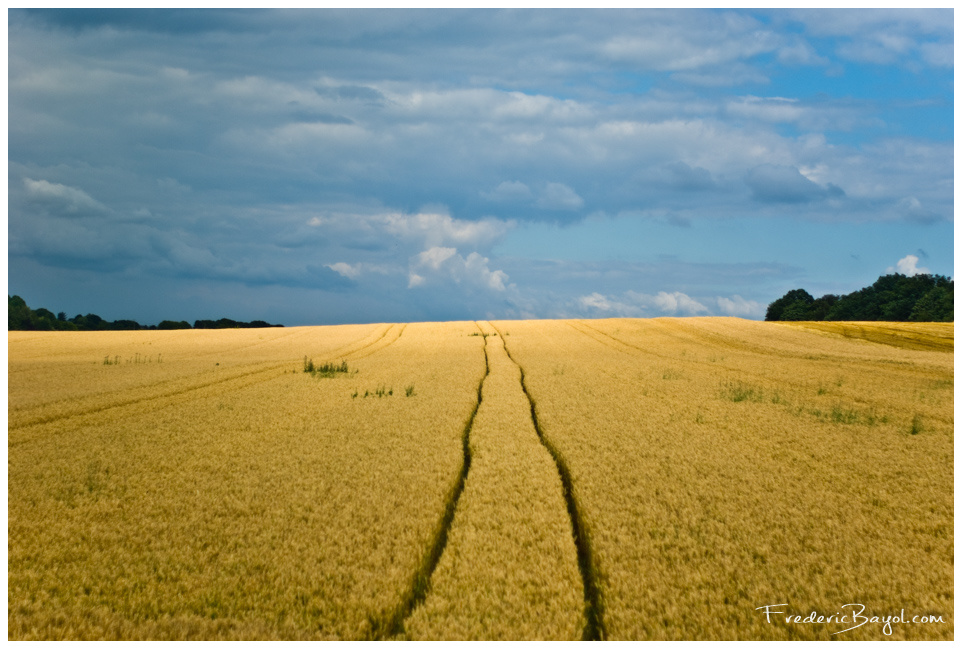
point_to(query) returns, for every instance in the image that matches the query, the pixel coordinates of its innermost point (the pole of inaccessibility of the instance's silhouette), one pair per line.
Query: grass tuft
(916, 425)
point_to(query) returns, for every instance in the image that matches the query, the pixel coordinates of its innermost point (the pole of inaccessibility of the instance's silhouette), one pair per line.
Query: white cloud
(634, 304)
(908, 265)
(476, 267)
(678, 302)
(351, 272)
(436, 228)
(69, 199)
(446, 264)
(434, 257)
(707, 40)
(427, 228)
(595, 301)
(598, 304)
(738, 306)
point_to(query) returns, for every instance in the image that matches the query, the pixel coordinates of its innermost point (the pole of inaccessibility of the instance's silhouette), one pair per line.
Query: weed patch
(136, 359)
(378, 392)
(738, 391)
(327, 370)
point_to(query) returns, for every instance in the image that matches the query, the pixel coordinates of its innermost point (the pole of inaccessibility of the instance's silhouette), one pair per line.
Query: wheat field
(573, 479)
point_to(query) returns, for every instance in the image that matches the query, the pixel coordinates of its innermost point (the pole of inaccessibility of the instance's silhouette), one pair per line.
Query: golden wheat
(201, 485)
(723, 465)
(267, 505)
(510, 569)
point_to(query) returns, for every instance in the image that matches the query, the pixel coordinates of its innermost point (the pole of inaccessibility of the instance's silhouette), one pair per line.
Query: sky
(352, 166)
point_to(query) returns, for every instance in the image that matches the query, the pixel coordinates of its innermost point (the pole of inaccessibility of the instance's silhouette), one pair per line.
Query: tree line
(895, 297)
(20, 317)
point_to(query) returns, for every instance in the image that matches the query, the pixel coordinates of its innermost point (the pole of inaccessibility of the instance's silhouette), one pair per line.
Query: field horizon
(702, 478)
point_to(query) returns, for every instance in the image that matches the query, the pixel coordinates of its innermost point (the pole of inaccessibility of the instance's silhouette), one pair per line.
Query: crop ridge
(587, 564)
(422, 578)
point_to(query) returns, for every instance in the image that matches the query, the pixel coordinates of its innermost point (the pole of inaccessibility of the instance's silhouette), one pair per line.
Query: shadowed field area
(618, 479)
(932, 336)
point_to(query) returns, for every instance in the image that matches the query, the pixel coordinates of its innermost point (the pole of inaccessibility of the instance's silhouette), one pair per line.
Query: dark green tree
(797, 301)
(170, 324)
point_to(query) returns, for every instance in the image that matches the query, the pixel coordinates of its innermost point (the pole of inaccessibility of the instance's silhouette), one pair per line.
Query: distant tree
(125, 325)
(94, 322)
(937, 305)
(170, 324)
(894, 297)
(821, 306)
(18, 314)
(43, 320)
(22, 317)
(797, 301)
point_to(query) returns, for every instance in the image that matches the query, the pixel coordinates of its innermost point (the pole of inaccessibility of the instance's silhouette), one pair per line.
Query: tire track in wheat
(421, 582)
(587, 560)
(390, 340)
(153, 395)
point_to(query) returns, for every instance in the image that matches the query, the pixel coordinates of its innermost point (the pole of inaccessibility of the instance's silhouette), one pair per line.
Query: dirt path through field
(510, 568)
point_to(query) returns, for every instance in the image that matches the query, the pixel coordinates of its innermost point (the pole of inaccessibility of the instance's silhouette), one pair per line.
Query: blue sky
(321, 167)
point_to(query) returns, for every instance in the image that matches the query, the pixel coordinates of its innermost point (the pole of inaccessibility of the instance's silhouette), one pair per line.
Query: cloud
(882, 36)
(910, 208)
(447, 265)
(551, 196)
(557, 196)
(509, 191)
(434, 257)
(908, 265)
(429, 227)
(739, 307)
(347, 270)
(784, 184)
(435, 228)
(678, 302)
(63, 199)
(634, 304)
(596, 301)
(709, 40)
(682, 177)
(320, 148)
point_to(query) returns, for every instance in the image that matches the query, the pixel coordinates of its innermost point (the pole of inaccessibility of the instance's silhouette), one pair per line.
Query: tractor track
(587, 561)
(738, 373)
(269, 370)
(421, 583)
